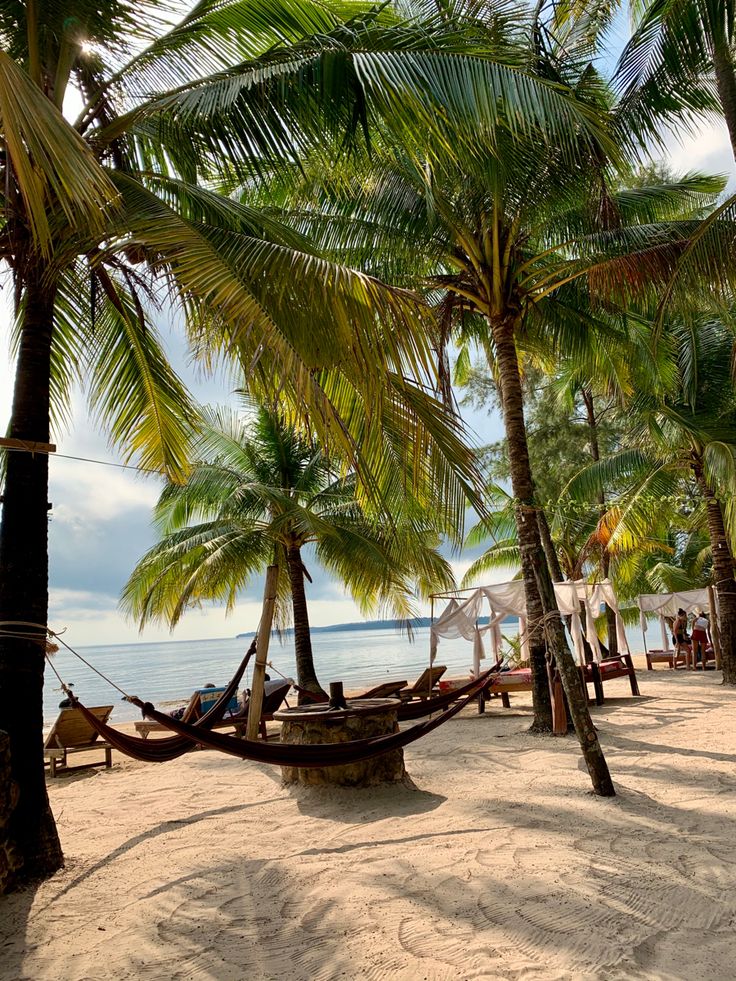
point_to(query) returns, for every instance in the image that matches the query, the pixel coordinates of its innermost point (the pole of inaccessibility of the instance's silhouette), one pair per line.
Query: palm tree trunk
(541, 700)
(31, 830)
(605, 557)
(305, 673)
(724, 578)
(503, 330)
(553, 560)
(726, 82)
(527, 520)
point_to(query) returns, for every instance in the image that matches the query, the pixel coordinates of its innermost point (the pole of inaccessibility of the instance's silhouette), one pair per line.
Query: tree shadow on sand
(164, 827)
(15, 912)
(363, 805)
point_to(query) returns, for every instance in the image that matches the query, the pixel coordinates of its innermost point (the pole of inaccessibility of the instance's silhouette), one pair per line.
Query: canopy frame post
(255, 702)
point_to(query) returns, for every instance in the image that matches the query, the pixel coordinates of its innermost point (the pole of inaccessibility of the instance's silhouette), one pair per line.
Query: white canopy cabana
(666, 605)
(500, 600)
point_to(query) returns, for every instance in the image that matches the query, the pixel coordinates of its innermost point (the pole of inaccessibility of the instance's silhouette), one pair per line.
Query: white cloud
(84, 494)
(708, 150)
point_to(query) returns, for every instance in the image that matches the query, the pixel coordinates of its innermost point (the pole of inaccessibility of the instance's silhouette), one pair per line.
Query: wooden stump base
(342, 727)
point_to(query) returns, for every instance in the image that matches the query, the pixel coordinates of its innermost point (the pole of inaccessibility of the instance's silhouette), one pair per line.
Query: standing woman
(679, 629)
(700, 638)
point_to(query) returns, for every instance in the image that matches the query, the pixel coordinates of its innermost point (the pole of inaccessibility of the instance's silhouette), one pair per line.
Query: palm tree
(263, 492)
(682, 451)
(521, 241)
(103, 216)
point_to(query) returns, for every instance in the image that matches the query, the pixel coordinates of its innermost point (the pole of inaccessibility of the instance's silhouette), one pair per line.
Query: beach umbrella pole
(255, 702)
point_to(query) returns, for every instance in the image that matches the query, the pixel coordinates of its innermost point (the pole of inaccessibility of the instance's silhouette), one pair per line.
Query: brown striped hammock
(189, 735)
(170, 747)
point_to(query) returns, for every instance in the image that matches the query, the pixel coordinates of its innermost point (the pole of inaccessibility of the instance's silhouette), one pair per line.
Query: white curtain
(501, 600)
(667, 605)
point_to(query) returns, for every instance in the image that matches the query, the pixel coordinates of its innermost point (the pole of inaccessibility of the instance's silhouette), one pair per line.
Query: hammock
(170, 747)
(418, 709)
(315, 755)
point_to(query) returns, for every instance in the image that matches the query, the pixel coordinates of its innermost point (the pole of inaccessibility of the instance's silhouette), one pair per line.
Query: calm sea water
(167, 673)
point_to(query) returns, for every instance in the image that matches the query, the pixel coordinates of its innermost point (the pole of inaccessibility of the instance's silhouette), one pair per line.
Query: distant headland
(415, 623)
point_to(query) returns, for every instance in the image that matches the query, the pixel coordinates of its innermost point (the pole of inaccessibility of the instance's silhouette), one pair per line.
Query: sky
(100, 521)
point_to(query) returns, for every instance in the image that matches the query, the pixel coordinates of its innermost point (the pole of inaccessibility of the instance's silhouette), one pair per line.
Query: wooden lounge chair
(508, 682)
(72, 733)
(272, 701)
(199, 703)
(705, 663)
(423, 686)
(386, 690)
(237, 720)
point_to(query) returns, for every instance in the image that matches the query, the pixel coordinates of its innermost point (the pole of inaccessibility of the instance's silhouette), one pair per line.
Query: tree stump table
(360, 719)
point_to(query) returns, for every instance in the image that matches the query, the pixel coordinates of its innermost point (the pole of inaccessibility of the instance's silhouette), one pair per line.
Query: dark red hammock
(418, 709)
(170, 747)
(282, 754)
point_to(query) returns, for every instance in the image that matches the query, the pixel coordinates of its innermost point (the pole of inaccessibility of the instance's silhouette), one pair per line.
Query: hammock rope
(100, 674)
(159, 750)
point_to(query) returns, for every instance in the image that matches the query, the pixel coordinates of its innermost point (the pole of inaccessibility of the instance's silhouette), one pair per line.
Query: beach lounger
(387, 690)
(508, 682)
(272, 700)
(72, 733)
(423, 686)
(200, 702)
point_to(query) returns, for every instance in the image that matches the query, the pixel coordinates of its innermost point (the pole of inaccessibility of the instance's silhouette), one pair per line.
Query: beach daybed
(673, 658)
(705, 664)
(505, 683)
(518, 680)
(611, 667)
(665, 606)
(422, 687)
(579, 602)
(72, 733)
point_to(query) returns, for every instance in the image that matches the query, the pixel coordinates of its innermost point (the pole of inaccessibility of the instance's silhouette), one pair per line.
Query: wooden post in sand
(715, 630)
(255, 702)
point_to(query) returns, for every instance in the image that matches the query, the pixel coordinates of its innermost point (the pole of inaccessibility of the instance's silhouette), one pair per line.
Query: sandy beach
(501, 864)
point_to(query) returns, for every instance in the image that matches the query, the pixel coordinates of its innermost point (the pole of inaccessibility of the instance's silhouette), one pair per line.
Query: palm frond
(54, 169)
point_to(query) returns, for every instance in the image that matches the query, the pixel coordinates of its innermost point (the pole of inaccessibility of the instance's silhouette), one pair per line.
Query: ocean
(167, 673)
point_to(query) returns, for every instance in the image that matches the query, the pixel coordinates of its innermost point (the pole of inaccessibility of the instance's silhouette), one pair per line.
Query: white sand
(502, 864)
